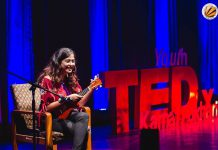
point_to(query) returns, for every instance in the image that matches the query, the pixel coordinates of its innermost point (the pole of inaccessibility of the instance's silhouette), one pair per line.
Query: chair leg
(89, 142)
(55, 147)
(15, 145)
(14, 139)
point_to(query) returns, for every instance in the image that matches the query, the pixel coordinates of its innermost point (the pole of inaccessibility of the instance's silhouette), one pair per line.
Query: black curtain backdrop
(59, 24)
(131, 34)
(187, 14)
(3, 74)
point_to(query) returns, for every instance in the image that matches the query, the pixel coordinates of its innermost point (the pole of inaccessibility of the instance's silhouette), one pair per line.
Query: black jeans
(74, 126)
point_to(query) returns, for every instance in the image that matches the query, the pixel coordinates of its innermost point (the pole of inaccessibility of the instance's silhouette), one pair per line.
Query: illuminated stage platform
(201, 136)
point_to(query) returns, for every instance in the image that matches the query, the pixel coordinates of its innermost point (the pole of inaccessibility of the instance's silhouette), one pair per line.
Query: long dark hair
(54, 70)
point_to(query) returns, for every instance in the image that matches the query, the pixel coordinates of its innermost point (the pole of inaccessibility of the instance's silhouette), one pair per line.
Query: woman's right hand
(75, 96)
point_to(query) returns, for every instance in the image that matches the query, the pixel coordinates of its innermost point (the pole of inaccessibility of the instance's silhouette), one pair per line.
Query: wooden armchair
(22, 120)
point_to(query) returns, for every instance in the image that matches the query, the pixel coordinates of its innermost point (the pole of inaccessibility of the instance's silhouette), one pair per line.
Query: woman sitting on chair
(60, 76)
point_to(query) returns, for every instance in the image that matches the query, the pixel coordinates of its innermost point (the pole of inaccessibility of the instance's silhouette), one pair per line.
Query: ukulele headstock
(96, 82)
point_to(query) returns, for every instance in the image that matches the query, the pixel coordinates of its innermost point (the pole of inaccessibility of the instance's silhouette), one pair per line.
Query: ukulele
(66, 110)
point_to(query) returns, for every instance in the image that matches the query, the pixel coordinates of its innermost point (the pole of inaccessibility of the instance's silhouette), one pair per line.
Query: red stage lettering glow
(150, 97)
(121, 80)
(179, 58)
(164, 97)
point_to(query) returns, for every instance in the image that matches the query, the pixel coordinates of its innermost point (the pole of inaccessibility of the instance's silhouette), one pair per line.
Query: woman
(60, 76)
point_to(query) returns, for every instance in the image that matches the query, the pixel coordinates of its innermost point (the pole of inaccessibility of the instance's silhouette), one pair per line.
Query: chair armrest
(48, 129)
(46, 114)
(19, 112)
(86, 109)
(23, 112)
(48, 125)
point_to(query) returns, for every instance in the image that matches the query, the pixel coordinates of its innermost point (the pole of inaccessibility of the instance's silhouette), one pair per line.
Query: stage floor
(199, 136)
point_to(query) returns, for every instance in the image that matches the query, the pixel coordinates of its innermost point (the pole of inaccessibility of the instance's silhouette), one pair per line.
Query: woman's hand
(75, 96)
